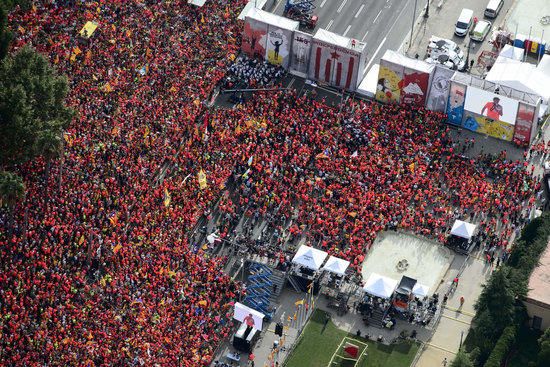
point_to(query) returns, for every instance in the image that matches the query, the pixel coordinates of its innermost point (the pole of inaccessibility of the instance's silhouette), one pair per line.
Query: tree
(5, 34)
(32, 107)
(48, 145)
(12, 190)
(497, 298)
(544, 352)
(462, 359)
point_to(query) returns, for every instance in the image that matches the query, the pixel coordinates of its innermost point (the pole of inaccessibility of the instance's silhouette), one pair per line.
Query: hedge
(502, 347)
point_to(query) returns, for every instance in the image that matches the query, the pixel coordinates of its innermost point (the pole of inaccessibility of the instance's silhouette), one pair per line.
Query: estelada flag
(167, 197)
(202, 180)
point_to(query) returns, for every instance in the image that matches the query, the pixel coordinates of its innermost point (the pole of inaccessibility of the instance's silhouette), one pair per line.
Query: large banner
(390, 82)
(333, 64)
(415, 87)
(491, 105)
(484, 125)
(439, 89)
(278, 46)
(254, 38)
(455, 105)
(524, 123)
(301, 48)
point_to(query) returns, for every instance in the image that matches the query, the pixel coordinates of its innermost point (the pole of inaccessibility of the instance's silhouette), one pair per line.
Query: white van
(493, 8)
(464, 22)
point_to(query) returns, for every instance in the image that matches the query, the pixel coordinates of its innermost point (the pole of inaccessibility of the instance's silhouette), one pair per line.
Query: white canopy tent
(309, 257)
(463, 229)
(420, 290)
(380, 286)
(511, 52)
(336, 265)
(241, 312)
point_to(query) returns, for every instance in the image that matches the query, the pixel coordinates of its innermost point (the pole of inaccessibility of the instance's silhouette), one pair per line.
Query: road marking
(323, 3)
(375, 52)
(347, 30)
(365, 36)
(342, 6)
(375, 19)
(457, 320)
(329, 24)
(291, 82)
(359, 11)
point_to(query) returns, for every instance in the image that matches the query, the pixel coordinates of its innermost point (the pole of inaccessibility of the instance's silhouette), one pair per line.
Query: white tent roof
(336, 265)
(511, 52)
(463, 229)
(400, 59)
(309, 257)
(272, 19)
(368, 85)
(380, 286)
(522, 76)
(335, 39)
(420, 290)
(241, 311)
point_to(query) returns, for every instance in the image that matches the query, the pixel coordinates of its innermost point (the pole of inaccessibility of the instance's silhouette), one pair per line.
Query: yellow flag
(411, 167)
(107, 88)
(147, 132)
(202, 180)
(81, 240)
(77, 50)
(300, 302)
(167, 197)
(202, 18)
(117, 248)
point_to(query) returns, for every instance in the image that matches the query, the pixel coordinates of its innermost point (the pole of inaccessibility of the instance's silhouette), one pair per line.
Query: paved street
(381, 24)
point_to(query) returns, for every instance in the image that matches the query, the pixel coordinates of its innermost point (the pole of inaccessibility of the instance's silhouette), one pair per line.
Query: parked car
(464, 22)
(445, 52)
(481, 30)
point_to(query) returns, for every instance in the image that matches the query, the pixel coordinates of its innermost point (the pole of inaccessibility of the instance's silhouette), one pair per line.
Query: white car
(481, 30)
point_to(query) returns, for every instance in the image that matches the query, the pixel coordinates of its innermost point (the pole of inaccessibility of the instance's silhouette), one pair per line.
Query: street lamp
(427, 13)
(470, 46)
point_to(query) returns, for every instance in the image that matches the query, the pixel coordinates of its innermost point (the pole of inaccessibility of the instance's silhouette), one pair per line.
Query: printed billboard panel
(415, 87)
(485, 125)
(278, 46)
(254, 38)
(301, 48)
(455, 105)
(439, 89)
(334, 65)
(491, 105)
(390, 82)
(524, 123)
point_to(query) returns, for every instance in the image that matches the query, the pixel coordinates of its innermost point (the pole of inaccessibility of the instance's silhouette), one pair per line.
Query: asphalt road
(381, 24)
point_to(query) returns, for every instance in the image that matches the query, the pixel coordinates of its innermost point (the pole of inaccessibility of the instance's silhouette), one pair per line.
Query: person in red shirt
(494, 109)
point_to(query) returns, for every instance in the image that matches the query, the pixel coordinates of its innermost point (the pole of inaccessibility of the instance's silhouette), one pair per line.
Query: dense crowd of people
(98, 269)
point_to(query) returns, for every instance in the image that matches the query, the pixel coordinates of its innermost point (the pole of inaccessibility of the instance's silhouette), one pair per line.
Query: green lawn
(315, 348)
(526, 348)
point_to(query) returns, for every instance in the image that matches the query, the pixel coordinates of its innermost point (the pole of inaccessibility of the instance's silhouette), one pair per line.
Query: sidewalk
(455, 320)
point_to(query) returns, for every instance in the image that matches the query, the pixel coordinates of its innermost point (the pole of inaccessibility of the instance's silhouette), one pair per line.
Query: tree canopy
(32, 107)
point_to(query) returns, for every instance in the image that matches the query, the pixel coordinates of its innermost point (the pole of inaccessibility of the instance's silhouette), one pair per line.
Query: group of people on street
(99, 269)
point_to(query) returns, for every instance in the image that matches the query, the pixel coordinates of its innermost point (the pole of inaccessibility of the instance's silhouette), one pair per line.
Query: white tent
(380, 286)
(309, 257)
(511, 52)
(463, 229)
(241, 312)
(367, 87)
(336, 265)
(522, 76)
(420, 290)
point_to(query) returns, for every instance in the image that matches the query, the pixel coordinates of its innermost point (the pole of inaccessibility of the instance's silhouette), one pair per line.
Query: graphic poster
(415, 87)
(524, 123)
(439, 89)
(254, 38)
(334, 65)
(278, 46)
(455, 105)
(484, 125)
(491, 105)
(390, 82)
(301, 48)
